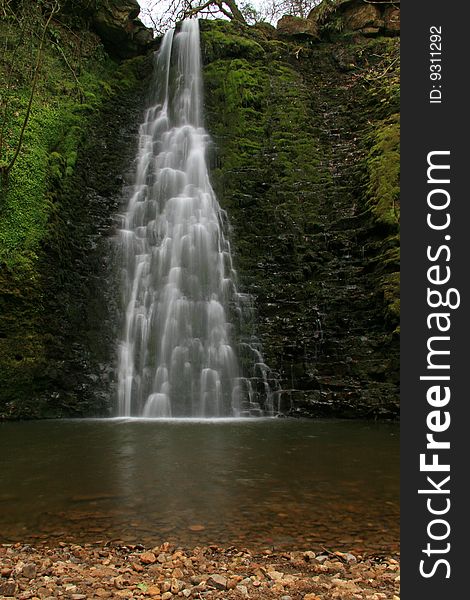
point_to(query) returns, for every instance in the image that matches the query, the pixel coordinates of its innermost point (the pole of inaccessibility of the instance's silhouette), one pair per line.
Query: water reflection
(253, 483)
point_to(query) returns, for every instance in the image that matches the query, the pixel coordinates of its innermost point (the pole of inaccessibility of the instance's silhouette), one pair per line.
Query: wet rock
(316, 281)
(196, 527)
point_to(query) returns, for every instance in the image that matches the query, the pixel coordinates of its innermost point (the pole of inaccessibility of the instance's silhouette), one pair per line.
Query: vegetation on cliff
(55, 62)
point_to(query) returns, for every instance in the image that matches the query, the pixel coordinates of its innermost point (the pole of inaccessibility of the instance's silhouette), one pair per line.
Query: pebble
(218, 581)
(8, 588)
(29, 571)
(309, 555)
(243, 590)
(170, 573)
(148, 558)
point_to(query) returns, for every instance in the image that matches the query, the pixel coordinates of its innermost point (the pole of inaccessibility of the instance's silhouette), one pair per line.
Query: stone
(349, 557)
(362, 16)
(8, 588)
(367, 18)
(392, 19)
(123, 34)
(274, 575)
(291, 26)
(217, 581)
(243, 590)
(29, 571)
(148, 558)
(167, 596)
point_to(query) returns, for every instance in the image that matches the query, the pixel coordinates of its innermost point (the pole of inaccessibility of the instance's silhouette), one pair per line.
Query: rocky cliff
(306, 124)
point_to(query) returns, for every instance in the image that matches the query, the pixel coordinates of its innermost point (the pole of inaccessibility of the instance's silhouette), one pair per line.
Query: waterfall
(177, 356)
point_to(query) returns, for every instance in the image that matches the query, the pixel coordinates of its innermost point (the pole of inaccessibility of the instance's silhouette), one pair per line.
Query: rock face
(356, 16)
(296, 27)
(115, 21)
(307, 169)
(123, 34)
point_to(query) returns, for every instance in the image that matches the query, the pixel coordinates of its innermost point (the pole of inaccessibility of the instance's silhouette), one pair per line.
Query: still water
(251, 483)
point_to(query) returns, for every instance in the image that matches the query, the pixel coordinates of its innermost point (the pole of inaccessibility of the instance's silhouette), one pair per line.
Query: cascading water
(177, 357)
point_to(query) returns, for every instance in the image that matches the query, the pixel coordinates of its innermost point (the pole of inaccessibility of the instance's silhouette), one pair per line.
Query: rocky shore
(113, 570)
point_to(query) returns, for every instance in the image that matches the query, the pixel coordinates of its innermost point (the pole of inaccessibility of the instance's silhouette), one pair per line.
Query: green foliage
(70, 87)
(76, 80)
(222, 39)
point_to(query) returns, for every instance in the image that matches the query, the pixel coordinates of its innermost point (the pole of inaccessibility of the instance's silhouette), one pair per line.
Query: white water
(177, 355)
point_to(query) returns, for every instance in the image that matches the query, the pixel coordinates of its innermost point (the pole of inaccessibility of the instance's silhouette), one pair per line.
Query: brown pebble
(7, 588)
(148, 558)
(29, 571)
(153, 590)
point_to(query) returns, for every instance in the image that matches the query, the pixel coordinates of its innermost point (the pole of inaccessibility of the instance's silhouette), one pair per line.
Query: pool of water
(251, 483)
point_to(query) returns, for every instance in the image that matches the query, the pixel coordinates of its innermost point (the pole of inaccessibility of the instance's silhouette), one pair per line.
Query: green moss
(69, 91)
(222, 39)
(384, 172)
(75, 84)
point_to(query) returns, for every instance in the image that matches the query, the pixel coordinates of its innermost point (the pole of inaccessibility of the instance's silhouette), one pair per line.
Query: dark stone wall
(307, 168)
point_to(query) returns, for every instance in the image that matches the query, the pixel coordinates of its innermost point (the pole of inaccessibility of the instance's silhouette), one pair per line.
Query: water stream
(178, 355)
